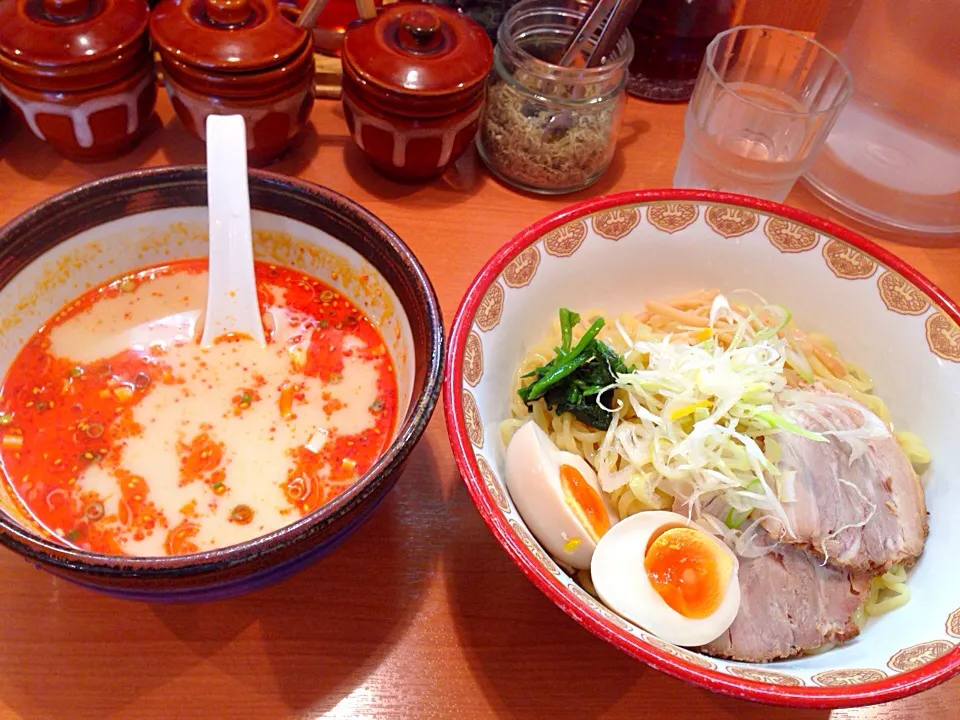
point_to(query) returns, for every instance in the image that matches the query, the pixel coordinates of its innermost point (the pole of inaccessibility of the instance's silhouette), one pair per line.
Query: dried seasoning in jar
(547, 128)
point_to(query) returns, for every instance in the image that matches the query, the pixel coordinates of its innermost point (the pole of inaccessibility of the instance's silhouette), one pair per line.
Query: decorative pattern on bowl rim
(616, 223)
(731, 221)
(850, 257)
(566, 239)
(847, 262)
(672, 217)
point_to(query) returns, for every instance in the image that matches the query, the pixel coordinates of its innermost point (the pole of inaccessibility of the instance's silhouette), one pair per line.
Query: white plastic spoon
(232, 305)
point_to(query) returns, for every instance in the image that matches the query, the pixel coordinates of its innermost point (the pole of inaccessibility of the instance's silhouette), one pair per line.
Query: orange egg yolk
(688, 571)
(585, 502)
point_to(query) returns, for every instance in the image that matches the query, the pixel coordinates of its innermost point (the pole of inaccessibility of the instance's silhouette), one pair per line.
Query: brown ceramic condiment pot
(79, 72)
(413, 88)
(237, 57)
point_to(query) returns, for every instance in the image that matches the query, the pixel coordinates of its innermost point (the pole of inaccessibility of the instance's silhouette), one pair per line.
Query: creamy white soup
(121, 434)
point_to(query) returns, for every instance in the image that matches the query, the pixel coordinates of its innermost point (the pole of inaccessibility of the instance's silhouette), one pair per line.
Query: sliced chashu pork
(858, 500)
(790, 603)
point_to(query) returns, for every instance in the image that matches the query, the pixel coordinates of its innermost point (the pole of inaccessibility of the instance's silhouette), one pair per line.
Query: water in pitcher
(740, 146)
(893, 158)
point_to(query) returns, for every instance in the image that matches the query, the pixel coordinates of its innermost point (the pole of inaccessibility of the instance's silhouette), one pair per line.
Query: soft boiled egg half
(557, 495)
(668, 576)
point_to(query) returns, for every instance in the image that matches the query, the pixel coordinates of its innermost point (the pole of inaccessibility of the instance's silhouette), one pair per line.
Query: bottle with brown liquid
(670, 37)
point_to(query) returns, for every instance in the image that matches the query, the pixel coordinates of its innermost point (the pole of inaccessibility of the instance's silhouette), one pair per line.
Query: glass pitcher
(893, 158)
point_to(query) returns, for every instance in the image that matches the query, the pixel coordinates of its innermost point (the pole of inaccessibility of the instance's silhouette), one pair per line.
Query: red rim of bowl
(890, 688)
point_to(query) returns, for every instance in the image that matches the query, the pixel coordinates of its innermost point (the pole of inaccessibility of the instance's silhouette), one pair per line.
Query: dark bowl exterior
(239, 568)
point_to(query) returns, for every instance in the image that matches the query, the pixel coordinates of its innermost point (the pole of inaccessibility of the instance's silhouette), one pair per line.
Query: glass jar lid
(70, 38)
(226, 35)
(415, 49)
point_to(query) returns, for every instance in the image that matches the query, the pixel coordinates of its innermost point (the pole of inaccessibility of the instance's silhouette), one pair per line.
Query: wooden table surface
(420, 614)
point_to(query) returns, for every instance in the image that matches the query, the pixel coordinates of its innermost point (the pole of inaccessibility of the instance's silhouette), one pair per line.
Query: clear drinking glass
(765, 101)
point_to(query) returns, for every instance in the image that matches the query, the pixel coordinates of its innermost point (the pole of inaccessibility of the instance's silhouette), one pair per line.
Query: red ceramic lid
(61, 33)
(418, 50)
(226, 35)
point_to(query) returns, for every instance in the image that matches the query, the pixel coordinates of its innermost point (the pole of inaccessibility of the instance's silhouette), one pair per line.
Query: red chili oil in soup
(121, 435)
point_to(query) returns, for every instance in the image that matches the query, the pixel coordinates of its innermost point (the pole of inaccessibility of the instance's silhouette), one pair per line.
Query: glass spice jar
(547, 128)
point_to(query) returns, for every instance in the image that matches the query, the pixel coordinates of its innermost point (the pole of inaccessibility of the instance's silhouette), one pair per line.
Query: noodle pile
(810, 358)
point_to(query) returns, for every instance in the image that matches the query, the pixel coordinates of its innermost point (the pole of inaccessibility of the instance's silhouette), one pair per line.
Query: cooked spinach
(575, 379)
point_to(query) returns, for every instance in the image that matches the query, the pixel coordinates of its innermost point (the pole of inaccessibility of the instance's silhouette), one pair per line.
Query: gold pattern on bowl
(496, 490)
(522, 268)
(527, 539)
(473, 359)
(850, 676)
(913, 657)
(765, 676)
(472, 419)
(617, 223)
(731, 221)
(566, 239)
(671, 217)
(680, 653)
(943, 336)
(491, 308)
(847, 262)
(600, 608)
(900, 295)
(788, 236)
(953, 624)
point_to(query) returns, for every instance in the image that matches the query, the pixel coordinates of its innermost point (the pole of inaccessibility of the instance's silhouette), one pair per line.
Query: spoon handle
(232, 304)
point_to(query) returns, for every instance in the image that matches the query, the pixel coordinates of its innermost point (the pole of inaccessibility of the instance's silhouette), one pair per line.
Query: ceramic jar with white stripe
(413, 88)
(79, 72)
(237, 57)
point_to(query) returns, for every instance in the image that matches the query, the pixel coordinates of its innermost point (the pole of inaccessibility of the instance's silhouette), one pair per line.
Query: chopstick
(308, 16)
(620, 17)
(366, 9)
